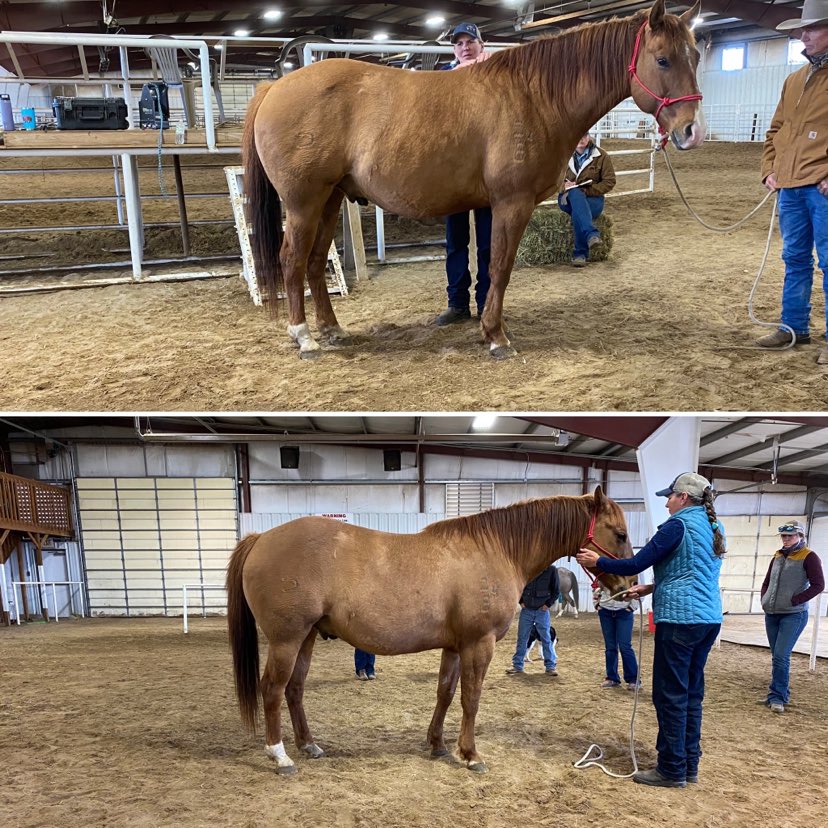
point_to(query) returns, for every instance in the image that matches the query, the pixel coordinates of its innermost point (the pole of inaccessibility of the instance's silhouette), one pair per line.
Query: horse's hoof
(315, 353)
(478, 767)
(436, 753)
(286, 770)
(503, 352)
(313, 750)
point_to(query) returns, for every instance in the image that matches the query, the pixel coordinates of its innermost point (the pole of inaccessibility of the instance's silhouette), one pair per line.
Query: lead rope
(588, 760)
(761, 270)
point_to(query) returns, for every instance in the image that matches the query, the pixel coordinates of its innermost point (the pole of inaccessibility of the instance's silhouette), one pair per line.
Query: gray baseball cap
(688, 482)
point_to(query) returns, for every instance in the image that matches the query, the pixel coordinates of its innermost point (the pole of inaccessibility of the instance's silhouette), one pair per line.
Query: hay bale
(548, 239)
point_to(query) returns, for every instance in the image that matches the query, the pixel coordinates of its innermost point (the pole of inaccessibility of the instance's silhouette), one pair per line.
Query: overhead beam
(785, 437)
(629, 431)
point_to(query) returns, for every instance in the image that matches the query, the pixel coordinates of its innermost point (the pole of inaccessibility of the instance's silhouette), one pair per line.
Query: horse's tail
(264, 210)
(244, 639)
(575, 591)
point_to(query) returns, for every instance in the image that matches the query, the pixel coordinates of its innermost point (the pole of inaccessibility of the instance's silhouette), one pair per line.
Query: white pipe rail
(814, 633)
(44, 596)
(184, 589)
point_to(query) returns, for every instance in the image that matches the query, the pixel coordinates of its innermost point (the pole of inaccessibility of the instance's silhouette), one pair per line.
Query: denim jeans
(583, 210)
(803, 223)
(678, 689)
(616, 625)
(783, 628)
(539, 621)
(364, 661)
(457, 257)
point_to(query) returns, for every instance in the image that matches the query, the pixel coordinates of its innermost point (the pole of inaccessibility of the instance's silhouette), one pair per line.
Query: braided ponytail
(718, 537)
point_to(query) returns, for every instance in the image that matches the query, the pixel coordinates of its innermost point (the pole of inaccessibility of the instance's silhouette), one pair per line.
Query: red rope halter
(590, 538)
(662, 101)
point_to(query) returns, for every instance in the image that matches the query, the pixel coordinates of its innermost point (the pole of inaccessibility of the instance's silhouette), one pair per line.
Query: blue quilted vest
(687, 582)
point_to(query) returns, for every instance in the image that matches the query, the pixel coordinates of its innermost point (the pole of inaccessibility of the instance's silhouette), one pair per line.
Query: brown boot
(780, 338)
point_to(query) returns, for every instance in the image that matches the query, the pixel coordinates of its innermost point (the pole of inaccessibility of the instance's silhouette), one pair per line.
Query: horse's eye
(622, 537)
(663, 62)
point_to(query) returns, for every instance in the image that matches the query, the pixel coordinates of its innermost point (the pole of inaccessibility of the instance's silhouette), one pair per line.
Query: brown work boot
(780, 338)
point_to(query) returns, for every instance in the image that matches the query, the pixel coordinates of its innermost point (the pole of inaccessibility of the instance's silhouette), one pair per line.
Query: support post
(135, 222)
(354, 244)
(182, 206)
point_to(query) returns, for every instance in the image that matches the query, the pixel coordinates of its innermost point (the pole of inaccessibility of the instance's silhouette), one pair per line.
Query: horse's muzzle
(690, 136)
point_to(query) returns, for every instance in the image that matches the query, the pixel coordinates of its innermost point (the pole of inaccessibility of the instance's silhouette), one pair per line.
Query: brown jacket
(599, 169)
(796, 145)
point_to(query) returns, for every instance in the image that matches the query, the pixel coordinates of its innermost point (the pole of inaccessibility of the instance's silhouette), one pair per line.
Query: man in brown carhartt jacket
(795, 162)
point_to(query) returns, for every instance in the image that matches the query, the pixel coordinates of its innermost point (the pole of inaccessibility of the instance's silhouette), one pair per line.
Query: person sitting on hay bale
(589, 177)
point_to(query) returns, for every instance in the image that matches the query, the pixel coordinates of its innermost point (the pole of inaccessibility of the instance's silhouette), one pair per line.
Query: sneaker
(607, 683)
(370, 676)
(513, 671)
(763, 702)
(633, 685)
(776, 707)
(692, 778)
(655, 777)
(779, 338)
(822, 356)
(362, 675)
(579, 261)
(450, 315)
(551, 672)
(593, 240)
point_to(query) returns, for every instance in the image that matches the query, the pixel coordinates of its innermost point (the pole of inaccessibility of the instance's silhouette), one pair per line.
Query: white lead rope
(761, 266)
(590, 759)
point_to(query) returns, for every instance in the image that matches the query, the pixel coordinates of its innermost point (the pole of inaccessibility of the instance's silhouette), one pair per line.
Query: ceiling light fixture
(380, 36)
(435, 20)
(241, 32)
(272, 14)
(483, 421)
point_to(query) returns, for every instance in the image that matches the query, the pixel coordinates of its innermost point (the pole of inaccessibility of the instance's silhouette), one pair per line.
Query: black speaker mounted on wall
(391, 460)
(289, 456)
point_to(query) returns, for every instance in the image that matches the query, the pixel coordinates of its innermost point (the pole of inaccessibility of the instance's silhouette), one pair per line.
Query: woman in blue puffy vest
(686, 556)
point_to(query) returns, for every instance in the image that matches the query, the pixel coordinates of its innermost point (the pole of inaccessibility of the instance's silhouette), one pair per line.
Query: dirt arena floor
(663, 325)
(131, 723)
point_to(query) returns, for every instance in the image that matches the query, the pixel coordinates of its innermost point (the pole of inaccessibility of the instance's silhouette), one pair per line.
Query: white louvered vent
(468, 498)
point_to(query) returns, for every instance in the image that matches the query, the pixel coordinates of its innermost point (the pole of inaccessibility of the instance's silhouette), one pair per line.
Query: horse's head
(608, 535)
(663, 75)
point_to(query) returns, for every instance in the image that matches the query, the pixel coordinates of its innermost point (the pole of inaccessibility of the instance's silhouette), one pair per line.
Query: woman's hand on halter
(638, 591)
(587, 558)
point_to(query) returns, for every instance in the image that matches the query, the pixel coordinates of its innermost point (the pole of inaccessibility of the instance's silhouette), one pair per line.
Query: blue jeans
(783, 628)
(364, 661)
(539, 621)
(678, 689)
(583, 210)
(616, 625)
(803, 223)
(457, 257)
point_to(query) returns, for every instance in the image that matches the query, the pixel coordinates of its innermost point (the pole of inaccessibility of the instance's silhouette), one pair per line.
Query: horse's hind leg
(474, 661)
(329, 327)
(277, 673)
(447, 684)
(300, 233)
(294, 692)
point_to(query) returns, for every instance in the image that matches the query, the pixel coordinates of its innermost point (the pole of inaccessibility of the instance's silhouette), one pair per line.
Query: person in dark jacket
(469, 48)
(589, 177)
(793, 578)
(686, 556)
(538, 596)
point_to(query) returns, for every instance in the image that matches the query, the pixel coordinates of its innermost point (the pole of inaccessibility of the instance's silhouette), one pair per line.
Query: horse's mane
(585, 57)
(558, 522)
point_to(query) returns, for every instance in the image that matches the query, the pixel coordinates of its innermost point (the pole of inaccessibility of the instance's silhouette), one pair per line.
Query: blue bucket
(29, 118)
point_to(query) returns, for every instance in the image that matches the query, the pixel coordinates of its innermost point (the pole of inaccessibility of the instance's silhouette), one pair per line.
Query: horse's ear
(600, 498)
(691, 14)
(657, 14)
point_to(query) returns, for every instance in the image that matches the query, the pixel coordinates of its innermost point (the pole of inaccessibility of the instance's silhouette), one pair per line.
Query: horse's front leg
(300, 232)
(447, 684)
(509, 220)
(294, 692)
(474, 661)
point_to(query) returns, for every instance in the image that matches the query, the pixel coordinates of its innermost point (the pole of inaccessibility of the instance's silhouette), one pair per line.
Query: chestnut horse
(454, 586)
(423, 144)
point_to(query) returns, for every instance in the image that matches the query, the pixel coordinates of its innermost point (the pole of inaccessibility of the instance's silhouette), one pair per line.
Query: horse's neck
(572, 109)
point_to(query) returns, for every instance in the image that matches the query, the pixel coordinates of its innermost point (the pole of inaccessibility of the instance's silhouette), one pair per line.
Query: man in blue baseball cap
(468, 49)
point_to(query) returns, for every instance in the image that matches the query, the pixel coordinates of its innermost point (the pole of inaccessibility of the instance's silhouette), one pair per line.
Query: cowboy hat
(814, 12)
